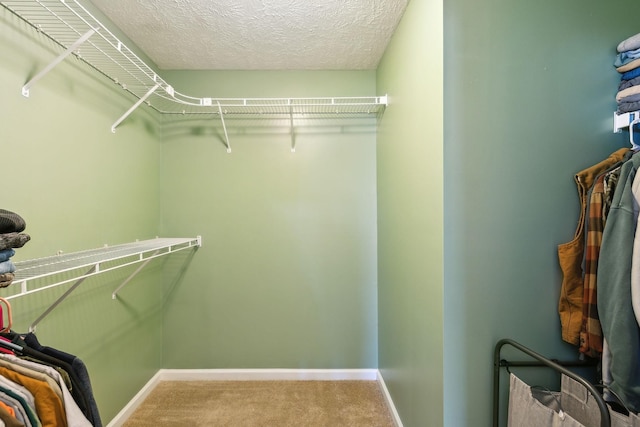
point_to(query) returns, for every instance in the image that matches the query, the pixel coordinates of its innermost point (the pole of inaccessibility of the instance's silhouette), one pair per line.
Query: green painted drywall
(529, 97)
(286, 276)
(410, 222)
(79, 186)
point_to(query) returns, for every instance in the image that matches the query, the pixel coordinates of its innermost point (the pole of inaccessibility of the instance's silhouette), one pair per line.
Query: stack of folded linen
(12, 237)
(628, 64)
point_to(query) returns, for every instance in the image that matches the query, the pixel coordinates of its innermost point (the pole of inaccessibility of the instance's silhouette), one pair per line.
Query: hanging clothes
(591, 339)
(62, 394)
(79, 376)
(617, 317)
(571, 255)
(74, 416)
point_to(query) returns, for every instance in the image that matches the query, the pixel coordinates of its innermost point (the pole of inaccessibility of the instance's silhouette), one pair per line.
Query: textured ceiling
(258, 34)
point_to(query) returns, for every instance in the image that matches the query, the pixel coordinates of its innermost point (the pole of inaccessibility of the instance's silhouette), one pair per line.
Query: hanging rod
(68, 24)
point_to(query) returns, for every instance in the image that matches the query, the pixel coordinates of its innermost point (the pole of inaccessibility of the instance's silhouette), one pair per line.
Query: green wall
(78, 186)
(454, 209)
(529, 97)
(287, 274)
(286, 277)
(410, 222)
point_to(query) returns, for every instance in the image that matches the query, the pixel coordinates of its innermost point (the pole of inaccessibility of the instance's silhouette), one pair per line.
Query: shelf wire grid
(61, 263)
(66, 21)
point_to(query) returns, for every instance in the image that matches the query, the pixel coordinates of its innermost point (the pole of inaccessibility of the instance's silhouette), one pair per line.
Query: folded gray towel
(13, 240)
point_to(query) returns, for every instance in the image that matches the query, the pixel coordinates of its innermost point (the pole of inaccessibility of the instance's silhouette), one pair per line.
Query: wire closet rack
(40, 274)
(71, 26)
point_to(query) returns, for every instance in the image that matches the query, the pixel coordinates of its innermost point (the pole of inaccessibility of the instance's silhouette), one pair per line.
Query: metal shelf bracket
(91, 271)
(85, 264)
(224, 127)
(133, 107)
(63, 21)
(293, 134)
(59, 59)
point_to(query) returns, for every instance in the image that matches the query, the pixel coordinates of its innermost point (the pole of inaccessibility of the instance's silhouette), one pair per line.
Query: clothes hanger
(5, 327)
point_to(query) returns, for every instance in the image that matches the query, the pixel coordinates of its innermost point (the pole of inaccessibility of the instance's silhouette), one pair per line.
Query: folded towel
(7, 266)
(628, 83)
(6, 279)
(629, 66)
(633, 90)
(627, 107)
(631, 43)
(5, 254)
(13, 240)
(10, 222)
(630, 98)
(631, 74)
(626, 57)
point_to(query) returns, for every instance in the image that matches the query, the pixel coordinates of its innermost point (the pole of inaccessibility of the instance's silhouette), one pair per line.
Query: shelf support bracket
(32, 327)
(114, 295)
(133, 107)
(59, 59)
(224, 127)
(293, 135)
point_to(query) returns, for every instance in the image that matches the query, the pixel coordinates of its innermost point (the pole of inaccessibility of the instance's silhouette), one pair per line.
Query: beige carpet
(264, 404)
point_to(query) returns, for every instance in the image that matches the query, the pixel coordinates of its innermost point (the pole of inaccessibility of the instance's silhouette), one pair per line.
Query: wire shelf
(80, 265)
(75, 29)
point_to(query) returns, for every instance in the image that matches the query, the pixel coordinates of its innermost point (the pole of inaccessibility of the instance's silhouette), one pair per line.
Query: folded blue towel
(6, 254)
(631, 74)
(7, 267)
(624, 58)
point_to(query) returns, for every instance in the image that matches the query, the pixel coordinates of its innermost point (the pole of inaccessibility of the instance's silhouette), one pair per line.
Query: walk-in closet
(396, 220)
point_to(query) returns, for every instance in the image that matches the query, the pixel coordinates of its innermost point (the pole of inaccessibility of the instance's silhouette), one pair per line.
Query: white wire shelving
(79, 33)
(37, 275)
(627, 121)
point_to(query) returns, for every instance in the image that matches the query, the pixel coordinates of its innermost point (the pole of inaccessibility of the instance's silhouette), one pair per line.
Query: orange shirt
(48, 405)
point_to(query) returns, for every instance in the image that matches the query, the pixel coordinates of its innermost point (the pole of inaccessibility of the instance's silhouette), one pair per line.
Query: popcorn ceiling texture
(258, 34)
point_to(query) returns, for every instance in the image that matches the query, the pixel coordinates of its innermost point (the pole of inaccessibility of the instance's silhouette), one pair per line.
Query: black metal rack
(541, 361)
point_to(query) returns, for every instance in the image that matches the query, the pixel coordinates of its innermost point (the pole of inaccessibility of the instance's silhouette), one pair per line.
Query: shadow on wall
(70, 78)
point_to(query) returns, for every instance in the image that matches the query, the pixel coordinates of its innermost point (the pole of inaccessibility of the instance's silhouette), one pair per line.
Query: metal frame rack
(78, 266)
(540, 361)
(79, 33)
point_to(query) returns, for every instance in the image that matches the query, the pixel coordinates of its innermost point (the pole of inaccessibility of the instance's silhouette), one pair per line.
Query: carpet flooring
(264, 404)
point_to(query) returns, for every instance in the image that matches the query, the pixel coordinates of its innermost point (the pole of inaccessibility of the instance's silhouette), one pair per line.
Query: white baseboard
(387, 397)
(133, 404)
(253, 375)
(267, 374)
